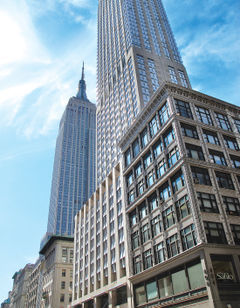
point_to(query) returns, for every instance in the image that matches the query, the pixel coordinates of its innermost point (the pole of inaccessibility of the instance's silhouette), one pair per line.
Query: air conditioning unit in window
(196, 181)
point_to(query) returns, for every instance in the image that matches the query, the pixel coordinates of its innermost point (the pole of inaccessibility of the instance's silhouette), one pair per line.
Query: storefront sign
(224, 276)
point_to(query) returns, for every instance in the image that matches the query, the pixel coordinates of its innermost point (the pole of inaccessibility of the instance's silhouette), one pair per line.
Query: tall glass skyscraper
(136, 54)
(73, 179)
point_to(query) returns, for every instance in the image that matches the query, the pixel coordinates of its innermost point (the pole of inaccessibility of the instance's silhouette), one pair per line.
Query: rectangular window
(168, 217)
(224, 180)
(204, 115)
(177, 181)
(217, 158)
(64, 255)
(235, 161)
(147, 259)
(196, 277)
(63, 285)
(215, 232)
(131, 196)
(183, 207)
(147, 160)
(207, 202)
(236, 233)
(140, 295)
(172, 74)
(201, 176)
(165, 286)
(145, 234)
(183, 79)
(188, 237)
(153, 202)
(168, 137)
(172, 246)
(150, 178)
(210, 137)
(144, 138)
(127, 157)
(173, 157)
(135, 240)
(231, 143)
(140, 188)
(237, 123)
(222, 121)
(138, 169)
(153, 126)
(161, 168)
(232, 205)
(137, 264)
(61, 298)
(165, 192)
(159, 253)
(164, 114)
(184, 110)
(63, 273)
(151, 290)
(189, 131)
(142, 210)
(129, 178)
(194, 151)
(179, 281)
(157, 148)
(135, 148)
(156, 225)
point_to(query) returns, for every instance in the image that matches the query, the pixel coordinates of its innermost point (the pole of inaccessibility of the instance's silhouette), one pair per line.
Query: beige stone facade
(57, 272)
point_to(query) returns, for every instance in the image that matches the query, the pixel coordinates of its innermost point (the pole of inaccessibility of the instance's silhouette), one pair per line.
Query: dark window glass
(168, 137)
(222, 121)
(129, 178)
(147, 259)
(231, 143)
(137, 264)
(151, 290)
(207, 202)
(189, 131)
(127, 157)
(156, 225)
(172, 246)
(121, 295)
(184, 109)
(145, 234)
(232, 205)
(217, 158)
(159, 253)
(140, 187)
(157, 148)
(164, 114)
(133, 218)
(173, 157)
(215, 232)
(153, 202)
(135, 240)
(183, 207)
(177, 181)
(144, 138)
(142, 209)
(235, 161)
(150, 178)
(138, 169)
(201, 176)
(164, 191)
(237, 123)
(224, 180)
(194, 151)
(153, 126)
(204, 115)
(168, 217)
(236, 233)
(188, 237)
(210, 137)
(135, 148)
(147, 159)
(131, 196)
(161, 168)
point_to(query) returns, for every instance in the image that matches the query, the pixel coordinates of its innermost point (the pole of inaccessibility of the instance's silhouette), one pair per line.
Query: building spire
(82, 87)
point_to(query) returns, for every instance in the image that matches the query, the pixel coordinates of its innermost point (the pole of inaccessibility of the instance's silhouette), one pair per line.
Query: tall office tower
(136, 54)
(73, 179)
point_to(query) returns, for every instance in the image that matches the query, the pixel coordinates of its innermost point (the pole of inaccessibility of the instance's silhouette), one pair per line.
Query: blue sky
(43, 44)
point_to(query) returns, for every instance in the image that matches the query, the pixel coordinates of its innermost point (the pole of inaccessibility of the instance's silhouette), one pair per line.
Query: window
(135, 148)
(121, 295)
(165, 286)
(153, 126)
(223, 265)
(150, 178)
(177, 181)
(189, 131)
(61, 298)
(145, 234)
(231, 143)
(63, 273)
(210, 137)
(168, 137)
(137, 264)
(172, 246)
(142, 210)
(184, 109)
(151, 290)
(147, 159)
(164, 191)
(144, 137)
(232, 205)
(195, 274)
(194, 151)
(64, 255)
(153, 202)
(140, 188)
(172, 74)
(183, 79)
(222, 121)
(168, 217)
(129, 178)
(161, 168)
(182, 207)
(156, 225)
(204, 115)
(224, 180)
(173, 157)
(138, 169)
(140, 295)
(147, 259)
(157, 148)
(188, 237)
(235, 161)
(217, 158)
(164, 114)
(237, 123)
(127, 157)
(63, 285)
(159, 253)
(214, 232)
(236, 233)
(207, 202)
(201, 176)
(135, 240)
